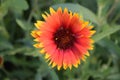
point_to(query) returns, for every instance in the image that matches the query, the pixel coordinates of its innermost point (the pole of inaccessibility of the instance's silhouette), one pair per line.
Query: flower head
(64, 38)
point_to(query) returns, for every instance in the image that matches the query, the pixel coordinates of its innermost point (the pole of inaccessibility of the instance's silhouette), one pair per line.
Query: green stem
(116, 18)
(112, 9)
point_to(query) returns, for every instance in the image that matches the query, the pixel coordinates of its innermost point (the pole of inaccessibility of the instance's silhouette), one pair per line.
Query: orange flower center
(64, 38)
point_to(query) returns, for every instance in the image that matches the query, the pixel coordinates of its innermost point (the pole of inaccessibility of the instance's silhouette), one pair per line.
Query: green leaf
(19, 4)
(115, 76)
(4, 33)
(21, 24)
(16, 5)
(3, 12)
(38, 76)
(5, 44)
(13, 51)
(45, 70)
(4, 39)
(53, 75)
(86, 13)
(106, 32)
(24, 25)
(112, 47)
(21, 74)
(32, 52)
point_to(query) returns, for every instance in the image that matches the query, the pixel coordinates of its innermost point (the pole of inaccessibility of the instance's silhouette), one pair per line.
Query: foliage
(19, 60)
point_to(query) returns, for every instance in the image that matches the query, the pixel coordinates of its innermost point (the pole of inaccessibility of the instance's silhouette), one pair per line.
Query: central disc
(64, 38)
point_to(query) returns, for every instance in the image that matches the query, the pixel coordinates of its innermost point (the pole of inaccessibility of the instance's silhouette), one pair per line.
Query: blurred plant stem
(112, 8)
(34, 7)
(103, 18)
(116, 18)
(6, 72)
(99, 11)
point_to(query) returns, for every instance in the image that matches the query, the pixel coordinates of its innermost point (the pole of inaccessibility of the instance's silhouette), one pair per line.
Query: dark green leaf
(112, 47)
(24, 24)
(16, 5)
(106, 33)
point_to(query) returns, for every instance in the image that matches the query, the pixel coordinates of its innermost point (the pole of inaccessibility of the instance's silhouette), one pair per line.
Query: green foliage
(23, 62)
(15, 5)
(106, 32)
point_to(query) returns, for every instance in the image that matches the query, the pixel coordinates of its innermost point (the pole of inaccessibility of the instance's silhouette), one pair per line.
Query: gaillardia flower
(64, 38)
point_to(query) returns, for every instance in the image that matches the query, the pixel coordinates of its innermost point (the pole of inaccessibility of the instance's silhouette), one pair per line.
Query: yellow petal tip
(47, 56)
(76, 65)
(52, 11)
(58, 67)
(70, 67)
(64, 66)
(42, 51)
(53, 65)
(87, 54)
(44, 16)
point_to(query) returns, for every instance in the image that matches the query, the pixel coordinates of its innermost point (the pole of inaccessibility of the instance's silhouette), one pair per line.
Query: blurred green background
(19, 60)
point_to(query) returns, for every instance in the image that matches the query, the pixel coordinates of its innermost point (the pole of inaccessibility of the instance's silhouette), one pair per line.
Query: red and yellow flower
(64, 38)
